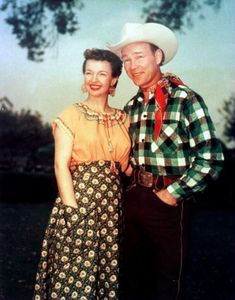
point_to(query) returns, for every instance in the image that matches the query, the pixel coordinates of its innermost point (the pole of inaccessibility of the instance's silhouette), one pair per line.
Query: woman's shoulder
(72, 108)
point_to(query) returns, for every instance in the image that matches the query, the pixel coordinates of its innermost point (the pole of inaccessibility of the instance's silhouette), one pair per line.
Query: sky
(205, 60)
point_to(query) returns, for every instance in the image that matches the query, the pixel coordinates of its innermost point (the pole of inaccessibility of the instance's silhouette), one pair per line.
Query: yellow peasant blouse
(96, 136)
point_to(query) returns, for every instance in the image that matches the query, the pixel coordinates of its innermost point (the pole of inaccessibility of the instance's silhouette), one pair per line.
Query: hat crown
(129, 28)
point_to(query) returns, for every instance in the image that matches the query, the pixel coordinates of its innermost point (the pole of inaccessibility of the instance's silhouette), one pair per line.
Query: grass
(211, 263)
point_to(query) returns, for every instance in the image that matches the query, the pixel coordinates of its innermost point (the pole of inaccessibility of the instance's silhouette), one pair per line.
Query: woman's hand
(72, 165)
(129, 170)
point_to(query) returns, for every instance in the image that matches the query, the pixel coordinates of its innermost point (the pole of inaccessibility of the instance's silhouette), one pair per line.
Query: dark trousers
(155, 246)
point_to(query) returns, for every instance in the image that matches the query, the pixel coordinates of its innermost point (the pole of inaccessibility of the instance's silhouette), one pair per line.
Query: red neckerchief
(161, 96)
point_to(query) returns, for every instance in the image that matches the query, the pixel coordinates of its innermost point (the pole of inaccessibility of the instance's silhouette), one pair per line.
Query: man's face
(141, 64)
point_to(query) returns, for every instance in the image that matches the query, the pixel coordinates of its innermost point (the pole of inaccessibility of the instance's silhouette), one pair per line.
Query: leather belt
(147, 179)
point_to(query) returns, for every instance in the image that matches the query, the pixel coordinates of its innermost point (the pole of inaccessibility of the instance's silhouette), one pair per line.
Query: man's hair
(104, 55)
(154, 48)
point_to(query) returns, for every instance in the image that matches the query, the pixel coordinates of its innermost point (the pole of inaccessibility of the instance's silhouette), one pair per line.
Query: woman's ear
(159, 57)
(114, 81)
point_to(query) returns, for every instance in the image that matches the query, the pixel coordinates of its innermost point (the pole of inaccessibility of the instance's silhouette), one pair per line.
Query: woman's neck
(99, 105)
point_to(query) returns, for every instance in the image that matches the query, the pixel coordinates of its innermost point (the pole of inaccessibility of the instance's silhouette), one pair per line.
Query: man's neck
(149, 89)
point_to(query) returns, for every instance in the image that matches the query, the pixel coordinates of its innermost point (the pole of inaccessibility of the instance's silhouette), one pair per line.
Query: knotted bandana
(161, 95)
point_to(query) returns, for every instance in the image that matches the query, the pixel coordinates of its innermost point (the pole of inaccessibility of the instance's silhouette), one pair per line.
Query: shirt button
(144, 116)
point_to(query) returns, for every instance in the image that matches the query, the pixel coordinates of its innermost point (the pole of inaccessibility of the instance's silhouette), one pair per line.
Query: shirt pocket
(168, 142)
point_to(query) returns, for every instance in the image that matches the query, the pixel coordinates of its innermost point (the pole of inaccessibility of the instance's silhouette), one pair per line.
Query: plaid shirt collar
(165, 82)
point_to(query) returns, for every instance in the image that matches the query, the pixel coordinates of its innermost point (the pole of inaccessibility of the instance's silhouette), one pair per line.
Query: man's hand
(166, 197)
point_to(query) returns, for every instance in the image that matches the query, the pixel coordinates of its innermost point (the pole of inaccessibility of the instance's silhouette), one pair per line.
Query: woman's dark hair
(104, 55)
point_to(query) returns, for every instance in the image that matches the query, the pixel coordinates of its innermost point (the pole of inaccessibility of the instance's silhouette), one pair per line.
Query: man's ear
(159, 57)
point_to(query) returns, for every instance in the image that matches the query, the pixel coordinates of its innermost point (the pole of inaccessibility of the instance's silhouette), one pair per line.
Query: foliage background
(41, 46)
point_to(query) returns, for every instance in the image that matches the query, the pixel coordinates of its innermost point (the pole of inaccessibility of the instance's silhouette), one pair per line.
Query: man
(175, 154)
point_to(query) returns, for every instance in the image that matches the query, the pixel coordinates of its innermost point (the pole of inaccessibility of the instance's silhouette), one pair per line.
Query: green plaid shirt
(187, 145)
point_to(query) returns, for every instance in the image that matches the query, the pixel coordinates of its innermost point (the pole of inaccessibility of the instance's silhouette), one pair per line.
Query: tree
(22, 133)
(37, 24)
(177, 14)
(228, 112)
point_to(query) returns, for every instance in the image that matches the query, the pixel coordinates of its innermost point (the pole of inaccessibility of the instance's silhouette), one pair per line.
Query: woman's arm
(63, 152)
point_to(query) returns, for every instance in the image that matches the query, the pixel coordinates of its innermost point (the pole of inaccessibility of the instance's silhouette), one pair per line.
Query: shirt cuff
(176, 191)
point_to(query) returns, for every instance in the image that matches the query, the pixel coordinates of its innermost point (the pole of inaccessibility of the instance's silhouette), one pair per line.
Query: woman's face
(98, 77)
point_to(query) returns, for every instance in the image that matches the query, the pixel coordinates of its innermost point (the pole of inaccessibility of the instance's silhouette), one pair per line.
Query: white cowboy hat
(153, 33)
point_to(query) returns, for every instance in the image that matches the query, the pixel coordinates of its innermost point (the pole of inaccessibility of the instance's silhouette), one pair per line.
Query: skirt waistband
(113, 166)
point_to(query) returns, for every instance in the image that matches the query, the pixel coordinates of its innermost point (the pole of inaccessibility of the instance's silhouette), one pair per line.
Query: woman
(80, 251)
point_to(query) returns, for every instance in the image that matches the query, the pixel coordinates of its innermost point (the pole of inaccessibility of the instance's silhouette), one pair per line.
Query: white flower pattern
(81, 245)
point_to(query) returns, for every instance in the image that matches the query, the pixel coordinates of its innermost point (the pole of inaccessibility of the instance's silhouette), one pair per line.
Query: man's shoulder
(130, 102)
(183, 92)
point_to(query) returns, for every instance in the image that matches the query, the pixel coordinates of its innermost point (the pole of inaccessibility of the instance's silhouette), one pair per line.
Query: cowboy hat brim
(153, 33)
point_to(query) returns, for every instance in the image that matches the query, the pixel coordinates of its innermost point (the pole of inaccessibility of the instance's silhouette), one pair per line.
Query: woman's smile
(94, 86)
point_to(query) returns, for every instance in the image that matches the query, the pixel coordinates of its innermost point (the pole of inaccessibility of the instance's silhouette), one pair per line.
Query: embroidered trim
(116, 118)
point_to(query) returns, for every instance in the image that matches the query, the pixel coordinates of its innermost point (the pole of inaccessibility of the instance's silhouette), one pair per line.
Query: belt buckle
(145, 178)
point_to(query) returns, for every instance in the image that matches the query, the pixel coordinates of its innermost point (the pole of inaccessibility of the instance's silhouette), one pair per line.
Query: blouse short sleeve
(67, 120)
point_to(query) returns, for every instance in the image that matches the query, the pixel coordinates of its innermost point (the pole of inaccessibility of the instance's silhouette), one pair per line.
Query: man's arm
(206, 150)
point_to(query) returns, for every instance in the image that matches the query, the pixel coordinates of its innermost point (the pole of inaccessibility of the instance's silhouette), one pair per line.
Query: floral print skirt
(80, 251)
